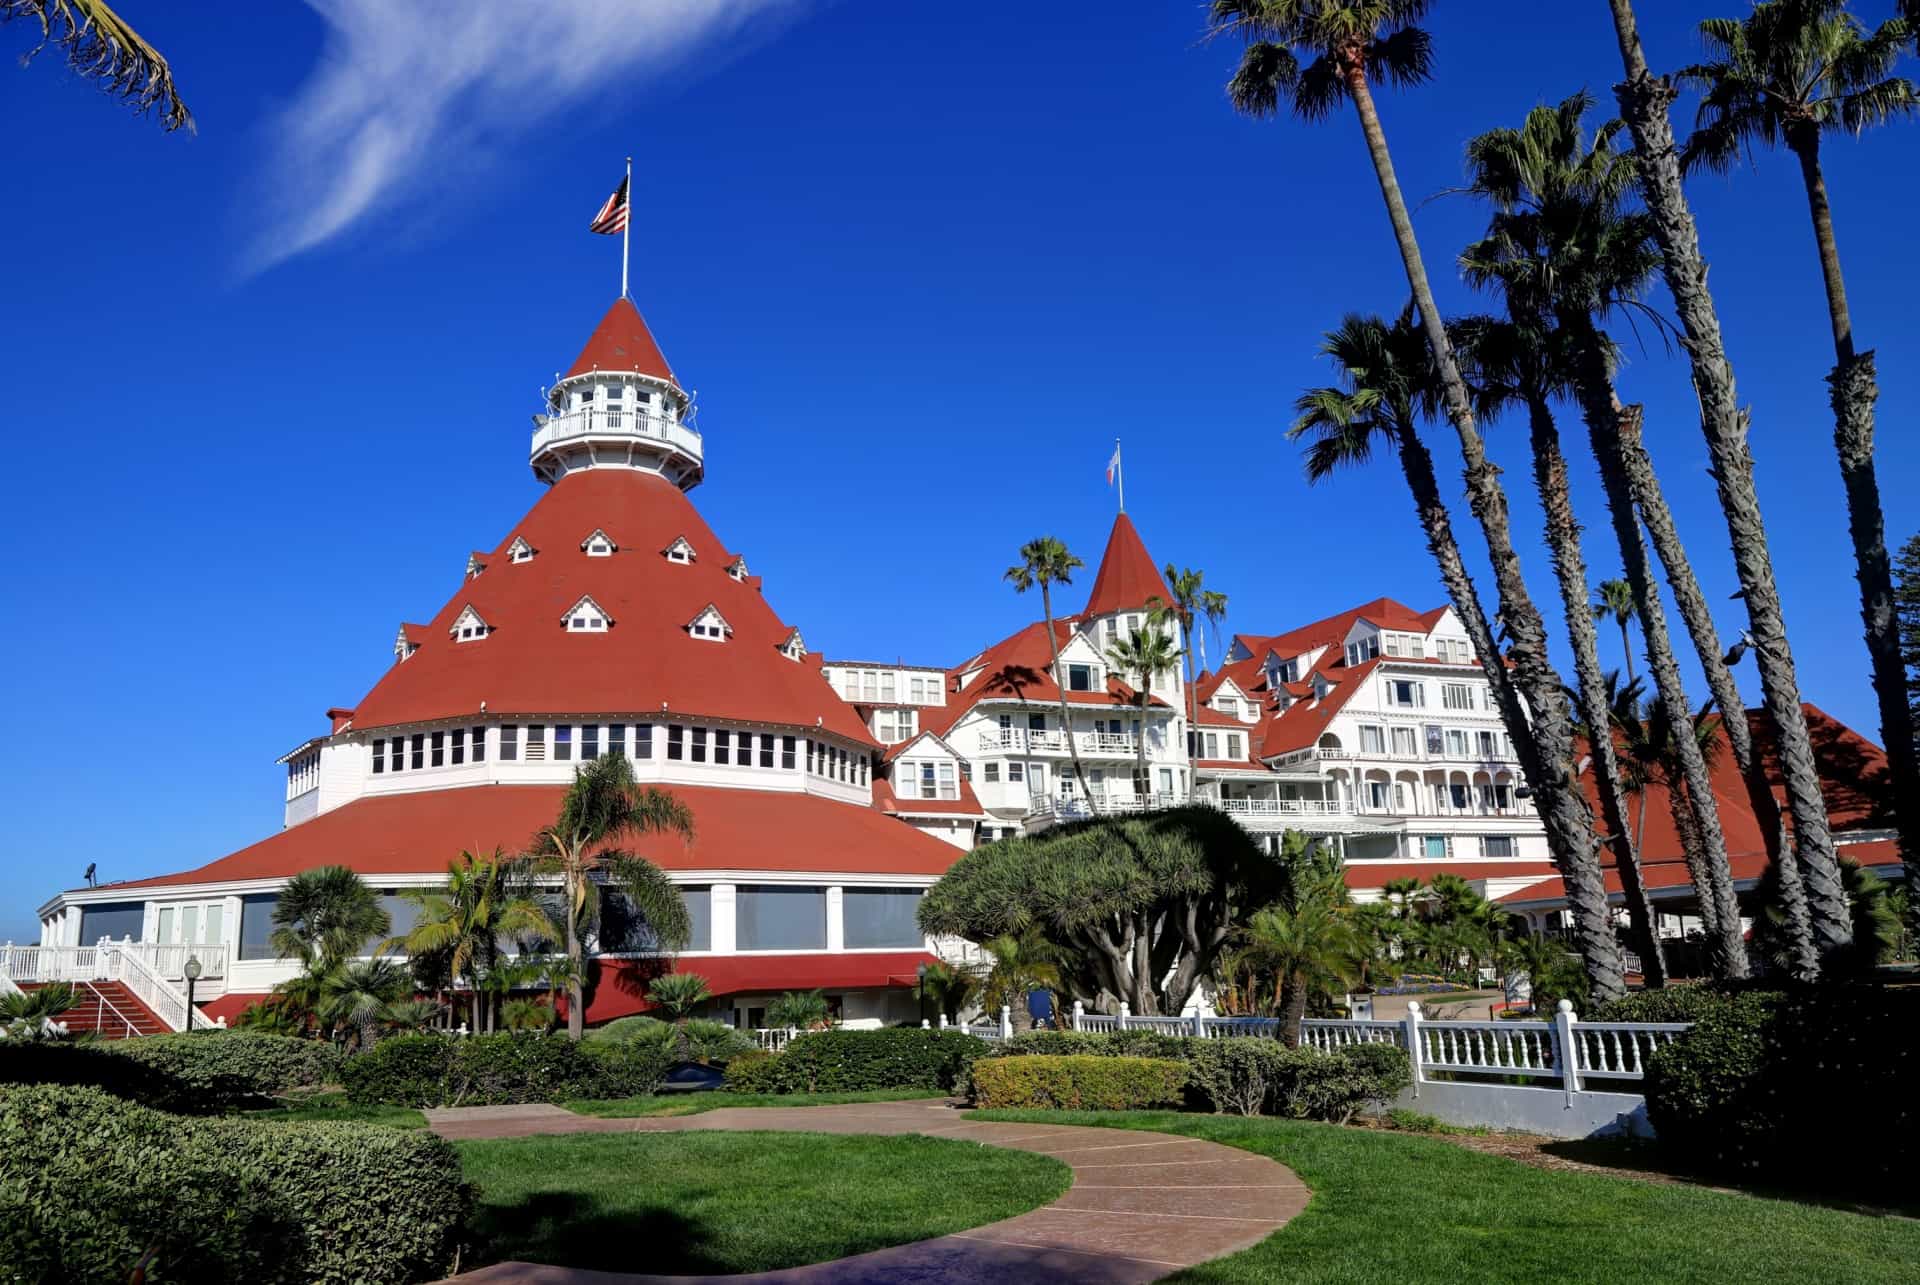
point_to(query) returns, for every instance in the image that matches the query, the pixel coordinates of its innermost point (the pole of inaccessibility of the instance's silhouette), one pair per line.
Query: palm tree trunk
(1546, 743)
(1854, 392)
(1644, 103)
(1193, 702)
(1569, 565)
(1293, 1009)
(1686, 826)
(1142, 782)
(1066, 718)
(1658, 519)
(1603, 413)
(576, 991)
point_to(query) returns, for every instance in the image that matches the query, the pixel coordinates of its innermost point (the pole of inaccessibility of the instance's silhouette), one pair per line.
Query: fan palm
(1645, 101)
(1044, 563)
(1350, 44)
(101, 46)
(1562, 244)
(1194, 606)
(1145, 654)
(946, 986)
(322, 918)
(679, 994)
(360, 996)
(1386, 388)
(602, 807)
(485, 900)
(1524, 362)
(1613, 600)
(30, 1015)
(1020, 966)
(1793, 72)
(1309, 948)
(799, 1011)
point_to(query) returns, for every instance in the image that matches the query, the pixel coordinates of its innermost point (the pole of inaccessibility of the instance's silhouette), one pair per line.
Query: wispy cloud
(403, 85)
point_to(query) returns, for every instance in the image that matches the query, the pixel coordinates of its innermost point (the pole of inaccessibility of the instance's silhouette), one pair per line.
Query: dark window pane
(256, 925)
(881, 917)
(479, 744)
(770, 917)
(439, 749)
(509, 743)
(380, 755)
(675, 735)
(115, 919)
(419, 750)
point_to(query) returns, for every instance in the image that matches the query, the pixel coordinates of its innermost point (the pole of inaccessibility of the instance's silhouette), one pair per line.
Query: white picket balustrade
(1330, 1033)
(1619, 1050)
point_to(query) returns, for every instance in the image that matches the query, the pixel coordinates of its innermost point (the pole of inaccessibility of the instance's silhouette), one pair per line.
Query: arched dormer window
(520, 550)
(737, 568)
(710, 625)
(467, 626)
(599, 545)
(586, 617)
(679, 551)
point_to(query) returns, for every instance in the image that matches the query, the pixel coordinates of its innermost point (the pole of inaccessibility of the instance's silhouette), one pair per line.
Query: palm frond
(100, 46)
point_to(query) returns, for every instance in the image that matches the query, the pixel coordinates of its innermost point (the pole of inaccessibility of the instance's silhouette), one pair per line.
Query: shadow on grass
(1646, 1158)
(570, 1229)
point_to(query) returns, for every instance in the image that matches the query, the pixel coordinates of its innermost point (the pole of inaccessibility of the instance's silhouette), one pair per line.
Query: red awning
(621, 991)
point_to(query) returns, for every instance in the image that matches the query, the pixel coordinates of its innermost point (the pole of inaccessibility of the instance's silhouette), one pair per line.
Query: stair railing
(106, 1006)
(156, 992)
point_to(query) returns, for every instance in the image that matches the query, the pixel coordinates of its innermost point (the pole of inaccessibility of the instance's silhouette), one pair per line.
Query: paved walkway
(1142, 1205)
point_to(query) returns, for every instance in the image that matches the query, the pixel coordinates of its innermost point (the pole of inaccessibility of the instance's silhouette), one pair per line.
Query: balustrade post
(1199, 1024)
(925, 1025)
(1079, 1011)
(1416, 1062)
(1565, 1053)
(1006, 1022)
(943, 1021)
(1124, 1015)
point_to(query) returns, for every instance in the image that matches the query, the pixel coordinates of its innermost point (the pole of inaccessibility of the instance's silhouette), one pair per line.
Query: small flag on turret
(1113, 465)
(613, 215)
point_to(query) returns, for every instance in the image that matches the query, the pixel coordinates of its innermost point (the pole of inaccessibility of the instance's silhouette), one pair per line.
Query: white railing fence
(142, 967)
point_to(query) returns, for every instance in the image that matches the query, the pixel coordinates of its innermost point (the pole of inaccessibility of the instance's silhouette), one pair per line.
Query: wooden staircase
(109, 1008)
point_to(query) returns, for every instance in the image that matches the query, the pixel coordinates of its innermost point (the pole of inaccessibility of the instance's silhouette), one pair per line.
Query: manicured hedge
(852, 1061)
(480, 1070)
(1078, 1082)
(1684, 1003)
(93, 1186)
(1788, 1085)
(206, 1072)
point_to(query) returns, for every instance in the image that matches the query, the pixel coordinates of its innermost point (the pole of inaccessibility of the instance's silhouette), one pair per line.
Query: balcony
(614, 424)
(1020, 740)
(1280, 807)
(1076, 808)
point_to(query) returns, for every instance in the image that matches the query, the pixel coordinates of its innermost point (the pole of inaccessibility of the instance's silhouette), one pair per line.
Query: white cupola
(618, 406)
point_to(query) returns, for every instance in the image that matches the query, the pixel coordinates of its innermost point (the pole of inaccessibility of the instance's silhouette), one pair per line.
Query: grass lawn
(695, 1103)
(737, 1202)
(1398, 1208)
(334, 1106)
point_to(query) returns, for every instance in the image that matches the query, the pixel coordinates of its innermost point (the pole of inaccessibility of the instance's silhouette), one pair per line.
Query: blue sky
(269, 384)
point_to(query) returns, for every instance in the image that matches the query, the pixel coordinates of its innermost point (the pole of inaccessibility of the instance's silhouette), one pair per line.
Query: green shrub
(492, 1070)
(696, 1040)
(1672, 1004)
(853, 1061)
(1106, 1044)
(1078, 1082)
(89, 1183)
(97, 1066)
(1782, 1085)
(235, 1066)
(625, 1030)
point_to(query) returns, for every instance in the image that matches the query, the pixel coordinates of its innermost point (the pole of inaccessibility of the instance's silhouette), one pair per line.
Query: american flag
(613, 215)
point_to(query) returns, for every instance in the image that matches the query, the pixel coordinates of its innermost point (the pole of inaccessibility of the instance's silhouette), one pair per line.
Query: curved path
(1141, 1205)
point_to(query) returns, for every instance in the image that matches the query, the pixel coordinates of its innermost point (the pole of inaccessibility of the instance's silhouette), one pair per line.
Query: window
(1435, 742)
(1496, 845)
(1212, 740)
(676, 742)
(1233, 745)
(766, 749)
(1503, 796)
(617, 739)
(1363, 649)
(1393, 645)
(1417, 648)
(1133, 625)
(598, 545)
(679, 551)
(379, 756)
(1456, 696)
(509, 744)
(1377, 795)
(722, 746)
(1436, 847)
(851, 685)
(990, 772)
(948, 788)
(699, 744)
(479, 744)
(1079, 678)
(536, 742)
(1457, 795)
(1403, 692)
(1484, 792)
(439, 749)
(772, 917)
(562, 743)
(786, 752)
(1372, 740)
(1488, 744)
(256, 926)
(519, 550)
(709, 626)
(1287, 671)
(468, 626)
(737, 568)
(1456, 743)
(1405, 743)
(887, 685)
(590, 742)
(872, 917)
(419, 751)
(458, 748)
(1016, 772)
(643, 740)
(916, 688)
(870, 684)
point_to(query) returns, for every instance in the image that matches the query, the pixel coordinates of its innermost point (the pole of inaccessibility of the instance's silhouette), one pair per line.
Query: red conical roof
(622, 342)
(1127, 578)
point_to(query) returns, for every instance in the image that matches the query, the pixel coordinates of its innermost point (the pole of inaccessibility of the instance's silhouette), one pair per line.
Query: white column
(836, 919)
(1412, 1037)
(1564, 1052)
(721, 909)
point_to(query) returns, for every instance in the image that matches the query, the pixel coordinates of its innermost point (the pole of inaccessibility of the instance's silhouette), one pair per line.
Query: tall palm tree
(1146, 655)
(1386, 388)
(361, 996)
(1310, 948)
(602, 807)
(1790, 73)
(1021, 965)
(1613, 600)
(1645, 103)
(1562, 241)
(485, 900)
(947, 987)
(325, 916)
(1351, 43)
(1045, 562)
(1524, 362)
(101, 46)
(1194, 606)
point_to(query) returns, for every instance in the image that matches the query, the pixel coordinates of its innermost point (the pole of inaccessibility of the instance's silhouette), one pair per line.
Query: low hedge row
(95, 1188)
(853, 1061)
(494, 1070)
(1079, 1082)
(205, 1072)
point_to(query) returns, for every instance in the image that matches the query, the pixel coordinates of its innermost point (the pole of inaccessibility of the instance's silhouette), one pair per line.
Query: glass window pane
(256, 926)
(778, 918)
(216, 923)
(115, 919)
(882, 917)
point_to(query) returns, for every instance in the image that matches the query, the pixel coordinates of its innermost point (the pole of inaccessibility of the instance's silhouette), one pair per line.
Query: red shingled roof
(529, 664)
(1127, 578)
(622, 342)
(413, 834)
(967, 805)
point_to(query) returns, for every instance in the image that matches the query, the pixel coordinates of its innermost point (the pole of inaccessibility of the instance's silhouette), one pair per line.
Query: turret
(618, 406)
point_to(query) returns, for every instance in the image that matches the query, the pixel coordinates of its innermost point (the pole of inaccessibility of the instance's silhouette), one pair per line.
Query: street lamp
(192, 970)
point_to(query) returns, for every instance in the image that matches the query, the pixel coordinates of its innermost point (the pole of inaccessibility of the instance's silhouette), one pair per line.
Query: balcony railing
(613, 422)
(1075, 807)
(1020, 740)
(1280, 807)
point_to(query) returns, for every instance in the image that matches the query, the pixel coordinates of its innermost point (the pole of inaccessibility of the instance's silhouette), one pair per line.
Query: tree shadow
(569, 1229)
(1648, 1158)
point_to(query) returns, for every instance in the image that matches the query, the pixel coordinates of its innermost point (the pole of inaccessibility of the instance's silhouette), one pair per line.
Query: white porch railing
(1021, 740)
(1075, 807)
(608, 422)
(140, 966)
(774, 1039)
(1279, 807)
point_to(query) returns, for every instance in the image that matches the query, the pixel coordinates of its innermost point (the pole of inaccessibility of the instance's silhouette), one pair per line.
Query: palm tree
(1146, 654)
(799, 1011)
(1645, 102)
(602, 807)
(485, 900)
(360, 996)
(1386, 388)
(680, 995)
(1310, 948)
(1045, 561)
(100, 46)
(1021, 965)
(946, 986)
(1350, 43)
(1193, 605)
(30, 1015)
(326, 914)
(1561, 244)
(1613, 600)
(1791, 72)
(1524, 362)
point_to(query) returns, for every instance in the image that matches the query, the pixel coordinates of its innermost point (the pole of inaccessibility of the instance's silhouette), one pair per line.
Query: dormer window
(599, 545)
(679, 551)
(1081, 678)
(519, 550)
(475, 565)
(586, 617)
(404, 645)
(467, 626)
(1363, 649)
(793, 648)
(710, 625)
(737, 568)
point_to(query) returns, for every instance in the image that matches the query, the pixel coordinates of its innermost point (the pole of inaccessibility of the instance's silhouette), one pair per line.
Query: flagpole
(626, 230)
(1119, 475)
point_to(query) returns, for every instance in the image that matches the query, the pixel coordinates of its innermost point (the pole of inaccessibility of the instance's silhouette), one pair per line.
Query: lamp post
(192, 970)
